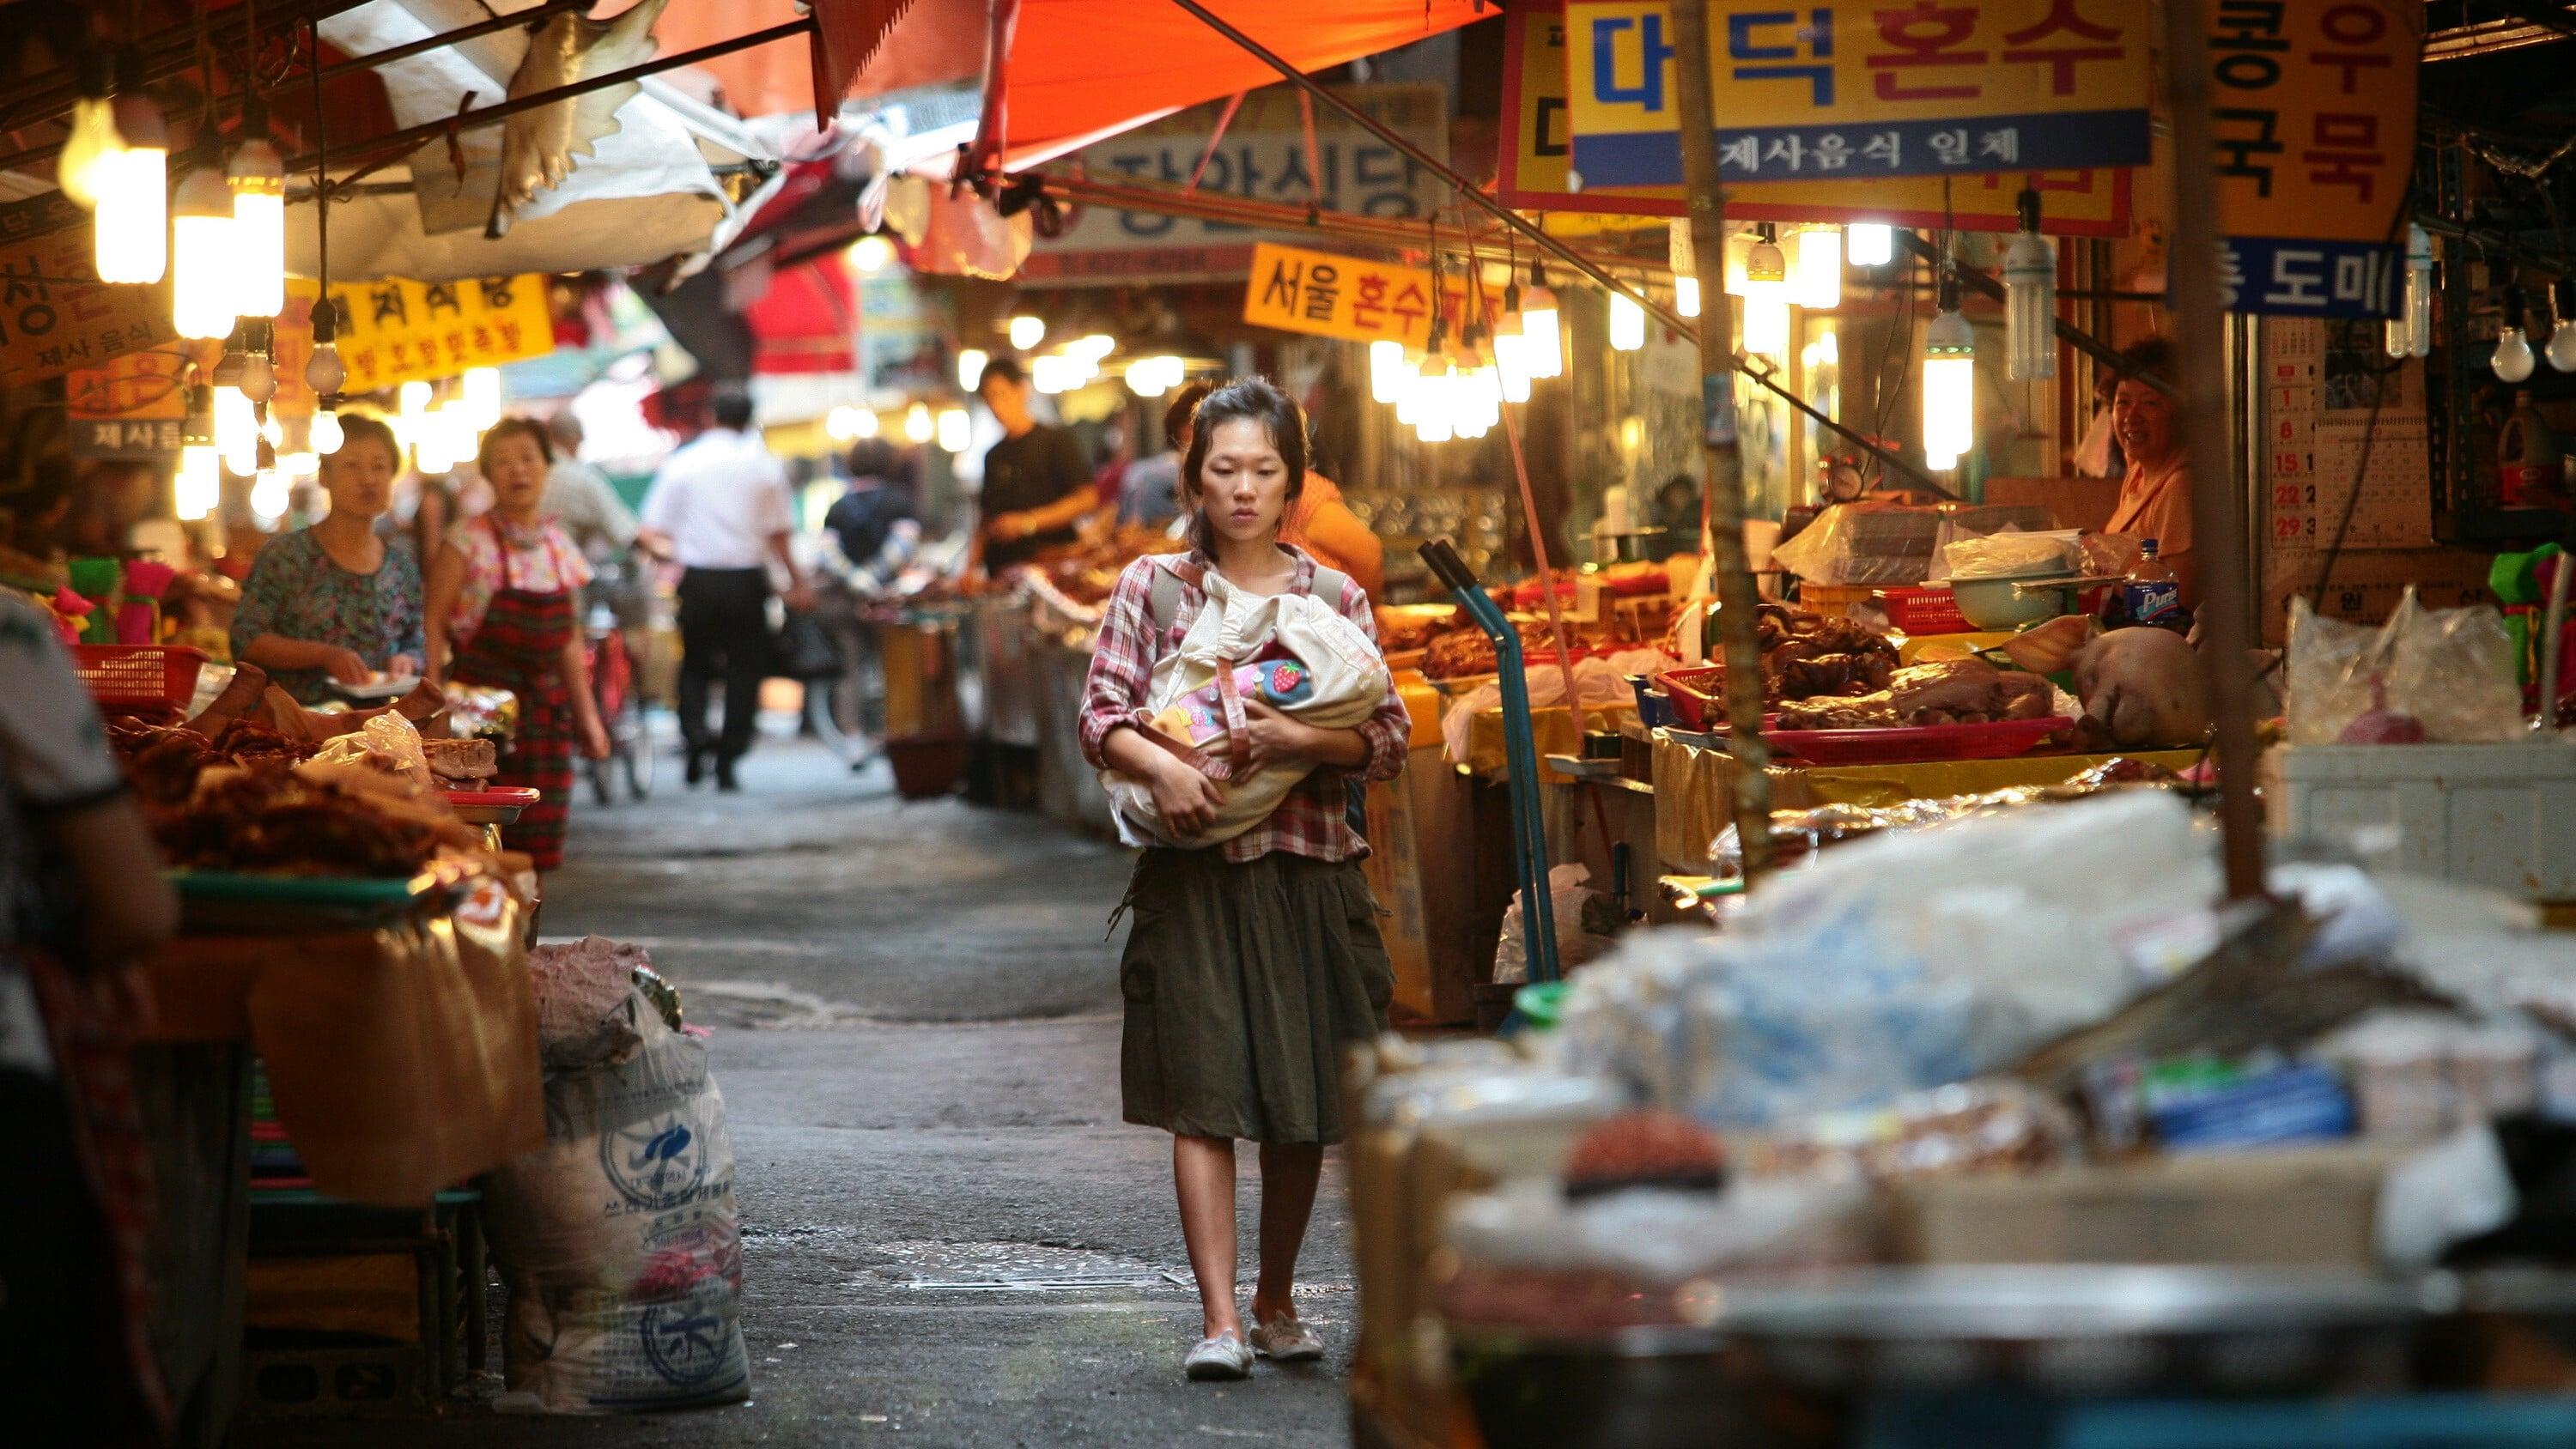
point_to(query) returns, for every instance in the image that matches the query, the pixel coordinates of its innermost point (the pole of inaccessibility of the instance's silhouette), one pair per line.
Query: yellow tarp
(1552, 728)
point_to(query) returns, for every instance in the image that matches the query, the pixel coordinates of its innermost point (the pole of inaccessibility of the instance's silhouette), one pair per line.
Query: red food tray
(1931, 610)
(1999, 740)
(134, 675)
(1696, 705)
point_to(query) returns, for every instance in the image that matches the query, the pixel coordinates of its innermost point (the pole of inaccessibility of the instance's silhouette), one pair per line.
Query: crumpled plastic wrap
(387, 742)
(2451, 670)
(1600, 682)
(1797, 835)
(2009, 554)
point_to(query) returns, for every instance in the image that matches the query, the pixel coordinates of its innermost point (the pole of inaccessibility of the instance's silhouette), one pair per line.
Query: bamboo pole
(2218, 524)
(1717, 367)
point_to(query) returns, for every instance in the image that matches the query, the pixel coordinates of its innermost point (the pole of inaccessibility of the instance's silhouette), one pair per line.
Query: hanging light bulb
(1511, 365)
(1096, 345)
(1051, 373)
(2513, 358)
(257, 177)
(866, 423)
(871, 254)
(1386, 366)
(970, 367)
(270, 494)
(304, 464)
(1870, 244)
(1408, 398)
(412, 403)
(1435, 410)
(202, 256)
(1766, 322)
(1146, 378)
(1027, 331)
(327, 436)
(2419, 291)
(1539, 323)
(273, 428)
(258, 377)
(1738, 244)
(841, 424)
(1949, 382)
(1763, 261)
(1819, 281)
(917, 424)
(956, 429)
(81, 168)
(2030, 299)
(236, 429)
(1627, 323)
(482, 396)
(325, 373)
(1684, 260)
(200, 484)
(2562, 333)
(429, 453)
(2396, 337)
(131, 232)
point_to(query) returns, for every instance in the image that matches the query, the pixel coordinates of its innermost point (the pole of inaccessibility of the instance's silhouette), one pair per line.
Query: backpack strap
(1330, 585)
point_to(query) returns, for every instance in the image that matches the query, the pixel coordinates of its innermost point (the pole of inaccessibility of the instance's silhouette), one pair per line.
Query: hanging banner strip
(2313, 110)
(397, 330)
(1537, 167)
(1861, 89)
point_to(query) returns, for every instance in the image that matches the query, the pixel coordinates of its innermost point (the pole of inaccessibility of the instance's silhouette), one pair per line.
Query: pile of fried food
(1807, 656)
(1087, 572)
(1952, 691)
(229, 792)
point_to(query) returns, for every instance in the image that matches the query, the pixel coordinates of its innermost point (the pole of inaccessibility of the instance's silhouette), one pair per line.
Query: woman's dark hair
(356, 428)
(2147, 355)
(1185, 405)
(514, 426)
(1250, 399)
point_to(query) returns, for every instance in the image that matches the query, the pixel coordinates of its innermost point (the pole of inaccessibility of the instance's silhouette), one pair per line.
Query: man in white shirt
(720, 506)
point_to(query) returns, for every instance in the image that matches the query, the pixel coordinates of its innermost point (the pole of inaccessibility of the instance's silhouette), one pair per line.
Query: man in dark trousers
(1037, 483)
(720, 506)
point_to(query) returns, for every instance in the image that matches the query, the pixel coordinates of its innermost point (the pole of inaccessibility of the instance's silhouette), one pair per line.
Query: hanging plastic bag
(2441, 676)
(1567, 891)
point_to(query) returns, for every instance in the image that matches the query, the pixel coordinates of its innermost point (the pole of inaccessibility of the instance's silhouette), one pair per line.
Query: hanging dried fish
(538, 146)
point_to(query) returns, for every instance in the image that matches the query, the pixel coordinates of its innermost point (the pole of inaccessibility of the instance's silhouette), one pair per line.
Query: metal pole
(2191, 288)
(1510, 218)
(1736, 599)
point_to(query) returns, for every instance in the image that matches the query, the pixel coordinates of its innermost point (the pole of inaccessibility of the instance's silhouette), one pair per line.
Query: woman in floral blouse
(337, 601)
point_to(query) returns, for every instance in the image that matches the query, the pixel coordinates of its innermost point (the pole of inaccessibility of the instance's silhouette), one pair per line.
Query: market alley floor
(948, 1234)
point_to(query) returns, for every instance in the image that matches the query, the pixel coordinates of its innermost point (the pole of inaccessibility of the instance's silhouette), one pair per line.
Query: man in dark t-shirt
(1037, 484)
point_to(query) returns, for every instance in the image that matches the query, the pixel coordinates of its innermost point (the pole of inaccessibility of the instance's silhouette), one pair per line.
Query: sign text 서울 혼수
(2313, 124)
(1852, 91)
(1327, 294)
(1537, 159)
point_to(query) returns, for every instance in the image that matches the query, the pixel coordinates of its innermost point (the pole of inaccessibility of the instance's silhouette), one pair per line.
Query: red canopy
(808, 319)
(1076, 70)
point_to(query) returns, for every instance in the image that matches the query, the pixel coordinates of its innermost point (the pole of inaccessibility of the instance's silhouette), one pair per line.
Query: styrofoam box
(2501, 816)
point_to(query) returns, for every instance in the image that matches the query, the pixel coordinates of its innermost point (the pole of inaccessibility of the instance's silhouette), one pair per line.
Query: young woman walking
(1253, 962)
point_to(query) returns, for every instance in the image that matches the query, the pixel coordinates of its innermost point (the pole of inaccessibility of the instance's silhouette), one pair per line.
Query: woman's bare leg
(1289, 1172)
(1203, 1174)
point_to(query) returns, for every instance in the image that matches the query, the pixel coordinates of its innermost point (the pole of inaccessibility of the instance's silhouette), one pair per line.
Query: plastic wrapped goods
(619, 1240)
(2443, 676)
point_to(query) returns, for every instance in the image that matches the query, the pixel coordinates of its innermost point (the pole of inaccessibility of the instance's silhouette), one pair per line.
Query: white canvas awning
(677, 178)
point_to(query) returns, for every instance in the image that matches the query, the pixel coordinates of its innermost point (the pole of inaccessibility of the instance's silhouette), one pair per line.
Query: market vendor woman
(1254, 962)
(337, 602)
(504, 611)
(2155, 493)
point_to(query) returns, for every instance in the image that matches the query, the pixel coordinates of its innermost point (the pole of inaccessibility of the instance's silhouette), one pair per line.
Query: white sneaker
(1220, 1357)
(1288, 1340)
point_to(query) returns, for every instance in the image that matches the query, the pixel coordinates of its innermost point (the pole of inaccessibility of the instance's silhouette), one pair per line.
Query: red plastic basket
(1923, 610)
(129, 676)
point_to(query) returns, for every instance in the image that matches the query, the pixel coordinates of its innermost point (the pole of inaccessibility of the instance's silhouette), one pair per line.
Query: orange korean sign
(132, 407)
(2313, 121)
(54, 315)
(398, 330)
(1326, 294)
(1537, 167)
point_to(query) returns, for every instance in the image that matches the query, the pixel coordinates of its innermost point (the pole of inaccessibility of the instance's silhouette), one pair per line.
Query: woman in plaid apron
(507, 592)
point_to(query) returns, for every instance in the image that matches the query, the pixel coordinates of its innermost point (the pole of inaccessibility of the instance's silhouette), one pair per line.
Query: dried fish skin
(538, 147)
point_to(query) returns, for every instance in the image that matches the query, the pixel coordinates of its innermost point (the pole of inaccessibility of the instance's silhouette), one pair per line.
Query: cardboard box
(2309, 1207)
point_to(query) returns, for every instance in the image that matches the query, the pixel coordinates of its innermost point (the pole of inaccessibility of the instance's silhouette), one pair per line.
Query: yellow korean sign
(399, 330)
(1863, 89)
(2314, 131)
(1537, 162)
(1326, 294)
(53, 316)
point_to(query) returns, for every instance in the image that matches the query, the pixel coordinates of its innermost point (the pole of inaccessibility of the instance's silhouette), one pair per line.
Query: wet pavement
(948, 1235)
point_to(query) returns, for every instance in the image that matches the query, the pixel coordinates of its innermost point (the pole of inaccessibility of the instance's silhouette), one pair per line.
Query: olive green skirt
(1244, 984)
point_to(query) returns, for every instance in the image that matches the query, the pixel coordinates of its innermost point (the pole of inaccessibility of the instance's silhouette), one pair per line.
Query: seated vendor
(2155, 492)
(337, 601)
